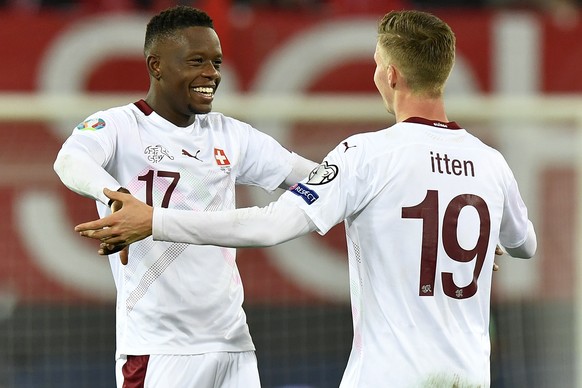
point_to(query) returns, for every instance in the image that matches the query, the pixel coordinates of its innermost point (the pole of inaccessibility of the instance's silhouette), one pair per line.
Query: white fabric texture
(425, 205)
(76, 159)
(247, 227)
(417, 198)
(301, 169)
(174, 298)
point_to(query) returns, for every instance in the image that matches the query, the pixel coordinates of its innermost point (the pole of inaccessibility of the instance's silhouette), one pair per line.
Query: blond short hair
(421, 46)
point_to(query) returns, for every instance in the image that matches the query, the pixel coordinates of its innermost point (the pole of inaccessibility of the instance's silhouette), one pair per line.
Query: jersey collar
(144, 107)
(434, 123)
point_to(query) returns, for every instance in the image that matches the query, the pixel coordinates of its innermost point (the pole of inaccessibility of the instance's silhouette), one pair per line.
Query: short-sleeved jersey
(178, 298)
(425, 204)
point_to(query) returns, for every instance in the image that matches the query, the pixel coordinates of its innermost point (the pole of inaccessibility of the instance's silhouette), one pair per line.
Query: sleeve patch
(94, 124)
(308, 195)
(322, 174)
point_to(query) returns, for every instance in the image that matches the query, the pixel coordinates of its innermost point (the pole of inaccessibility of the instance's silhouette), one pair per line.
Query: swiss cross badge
(221, 159)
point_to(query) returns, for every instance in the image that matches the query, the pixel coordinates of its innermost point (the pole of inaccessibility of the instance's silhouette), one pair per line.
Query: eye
(217, 64)
(195, 61)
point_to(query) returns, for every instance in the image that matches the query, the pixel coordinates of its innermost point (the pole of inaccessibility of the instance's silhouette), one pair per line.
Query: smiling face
(184, 74)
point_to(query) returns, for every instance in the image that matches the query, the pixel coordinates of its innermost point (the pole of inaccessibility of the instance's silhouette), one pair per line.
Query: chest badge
(157, 153)
(222, 160)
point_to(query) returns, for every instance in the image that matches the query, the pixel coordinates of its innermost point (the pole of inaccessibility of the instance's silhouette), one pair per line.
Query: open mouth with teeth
(205, 91)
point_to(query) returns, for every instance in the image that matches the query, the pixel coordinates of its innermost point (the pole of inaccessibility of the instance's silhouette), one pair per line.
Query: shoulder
(219, 120)
(366, 143)
(110, 115)
(365, 138)
(487, 150)
(108, 120)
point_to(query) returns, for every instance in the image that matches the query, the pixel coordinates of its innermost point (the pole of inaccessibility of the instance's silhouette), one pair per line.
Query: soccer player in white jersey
(180, 321)
(425, 204)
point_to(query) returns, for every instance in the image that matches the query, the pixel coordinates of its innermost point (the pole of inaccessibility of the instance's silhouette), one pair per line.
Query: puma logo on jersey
(157, 153)
(195, 156)
(345, 143)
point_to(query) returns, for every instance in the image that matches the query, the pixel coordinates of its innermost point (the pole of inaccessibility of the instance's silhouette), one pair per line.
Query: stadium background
(56, 294)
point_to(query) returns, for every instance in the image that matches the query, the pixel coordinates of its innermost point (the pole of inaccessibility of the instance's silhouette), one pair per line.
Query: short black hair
(167, 22)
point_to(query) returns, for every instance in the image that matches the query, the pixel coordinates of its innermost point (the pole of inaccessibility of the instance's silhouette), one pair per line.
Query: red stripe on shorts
(134, 371)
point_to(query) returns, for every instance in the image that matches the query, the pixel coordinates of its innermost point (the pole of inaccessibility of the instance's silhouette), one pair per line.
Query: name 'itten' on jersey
(450, 166)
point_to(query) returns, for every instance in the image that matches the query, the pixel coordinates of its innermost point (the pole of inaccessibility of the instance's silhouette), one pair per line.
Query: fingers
(97, 234)
(106, 235)
(116, 206)
(92, 226)
(498, 252)
(101, 225)
(108, 249)
(114, 195)
(124, 255)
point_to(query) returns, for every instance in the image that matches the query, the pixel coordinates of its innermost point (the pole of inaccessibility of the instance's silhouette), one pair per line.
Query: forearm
(79, 169)
(301, 169)
(529, 246)
(246, 227)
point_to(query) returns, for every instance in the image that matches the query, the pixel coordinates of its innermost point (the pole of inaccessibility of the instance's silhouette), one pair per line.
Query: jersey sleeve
(264, 162)
(245, 227)
(514, 221)
(300, 170)
(81, 160)
(339, 187)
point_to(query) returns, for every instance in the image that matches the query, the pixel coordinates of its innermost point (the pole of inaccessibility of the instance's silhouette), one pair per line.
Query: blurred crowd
(290, 5)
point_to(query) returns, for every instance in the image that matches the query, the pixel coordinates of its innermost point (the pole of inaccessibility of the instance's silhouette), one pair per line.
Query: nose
(211, 71)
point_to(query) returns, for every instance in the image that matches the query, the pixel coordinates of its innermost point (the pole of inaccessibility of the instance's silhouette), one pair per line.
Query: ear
(153, 65)
(392, 74)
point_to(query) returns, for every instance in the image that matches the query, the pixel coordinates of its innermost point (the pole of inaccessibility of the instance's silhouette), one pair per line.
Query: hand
(498, 252)
(130, 221)
(105, 249)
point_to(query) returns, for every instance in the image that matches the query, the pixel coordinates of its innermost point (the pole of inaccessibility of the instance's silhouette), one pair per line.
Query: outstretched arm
(273, 224)
(278, 222)
(301, 169)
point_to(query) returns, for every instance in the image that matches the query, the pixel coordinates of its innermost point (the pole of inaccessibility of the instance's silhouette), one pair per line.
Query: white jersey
(425, 204)
(177, 298)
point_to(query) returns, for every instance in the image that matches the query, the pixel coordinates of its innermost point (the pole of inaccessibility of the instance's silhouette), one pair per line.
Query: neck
(419, 106)
(166, 111)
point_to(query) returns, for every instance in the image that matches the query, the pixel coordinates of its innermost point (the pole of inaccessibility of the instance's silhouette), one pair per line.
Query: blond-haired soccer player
(424, 202)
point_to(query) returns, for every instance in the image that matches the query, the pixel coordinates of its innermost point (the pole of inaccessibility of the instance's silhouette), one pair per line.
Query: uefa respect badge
(308, 195)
